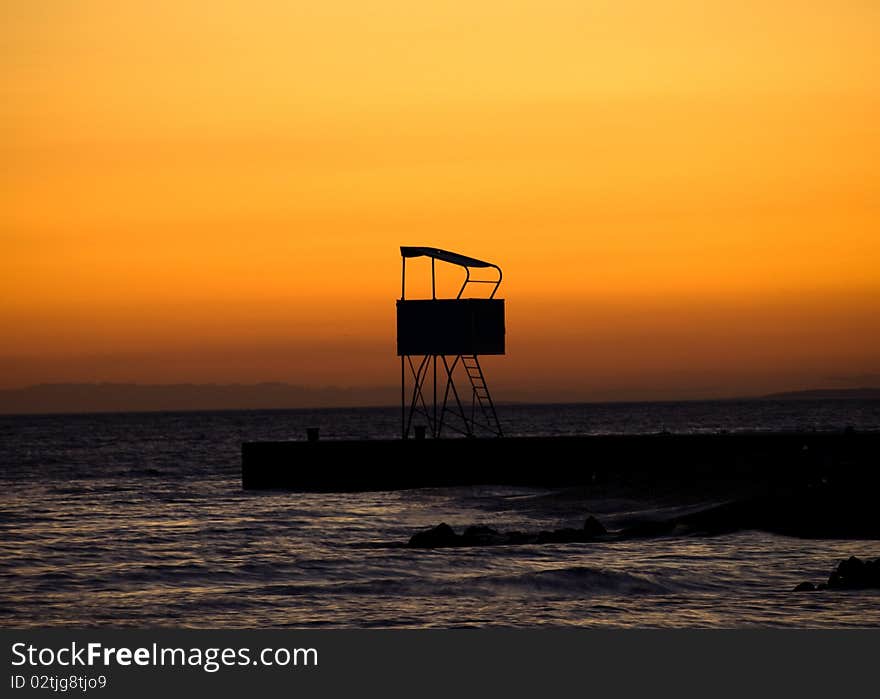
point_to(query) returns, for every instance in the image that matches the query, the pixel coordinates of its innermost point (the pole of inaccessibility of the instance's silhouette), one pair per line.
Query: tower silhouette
(448, 335)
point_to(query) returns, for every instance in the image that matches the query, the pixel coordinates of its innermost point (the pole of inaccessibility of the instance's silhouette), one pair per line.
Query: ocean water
(140, 520)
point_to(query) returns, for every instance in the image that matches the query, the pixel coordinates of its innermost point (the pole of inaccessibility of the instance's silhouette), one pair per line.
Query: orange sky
(684, 196)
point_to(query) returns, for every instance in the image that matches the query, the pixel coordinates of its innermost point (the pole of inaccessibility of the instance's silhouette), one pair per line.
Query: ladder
(480, 396)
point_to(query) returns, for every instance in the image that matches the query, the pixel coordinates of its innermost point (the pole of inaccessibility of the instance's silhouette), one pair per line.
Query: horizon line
(793, 395)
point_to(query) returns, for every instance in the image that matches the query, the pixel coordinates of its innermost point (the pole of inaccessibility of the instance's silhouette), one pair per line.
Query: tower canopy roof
(444, 255)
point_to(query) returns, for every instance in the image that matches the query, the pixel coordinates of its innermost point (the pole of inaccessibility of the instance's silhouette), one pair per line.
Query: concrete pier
(340, 466)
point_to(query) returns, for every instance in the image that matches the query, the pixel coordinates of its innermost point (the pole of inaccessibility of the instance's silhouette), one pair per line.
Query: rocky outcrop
(435, 537)
(851, 574)
(856, 574)
(593, 527)
(443, 536)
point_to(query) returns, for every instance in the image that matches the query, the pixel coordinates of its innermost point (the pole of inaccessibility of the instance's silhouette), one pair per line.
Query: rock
(561, 536)
(855, 574)
(593, 527)
(568, 535)
(520, 538)
(443, 535)
(851, 574)
(436, 537)
(482, 536)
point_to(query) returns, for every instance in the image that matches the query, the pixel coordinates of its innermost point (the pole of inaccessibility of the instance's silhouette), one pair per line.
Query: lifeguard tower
(442, 340)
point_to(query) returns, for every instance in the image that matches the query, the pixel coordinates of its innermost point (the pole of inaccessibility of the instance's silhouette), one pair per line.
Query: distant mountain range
(827, 394)
(129, 397)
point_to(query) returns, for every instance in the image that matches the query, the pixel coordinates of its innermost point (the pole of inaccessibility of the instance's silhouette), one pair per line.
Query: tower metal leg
(481, 413)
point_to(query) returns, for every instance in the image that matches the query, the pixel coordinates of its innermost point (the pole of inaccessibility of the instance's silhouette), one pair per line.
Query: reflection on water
(104, 523)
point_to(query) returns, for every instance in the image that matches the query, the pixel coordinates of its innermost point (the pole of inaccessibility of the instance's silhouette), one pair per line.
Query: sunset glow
(684, 196)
